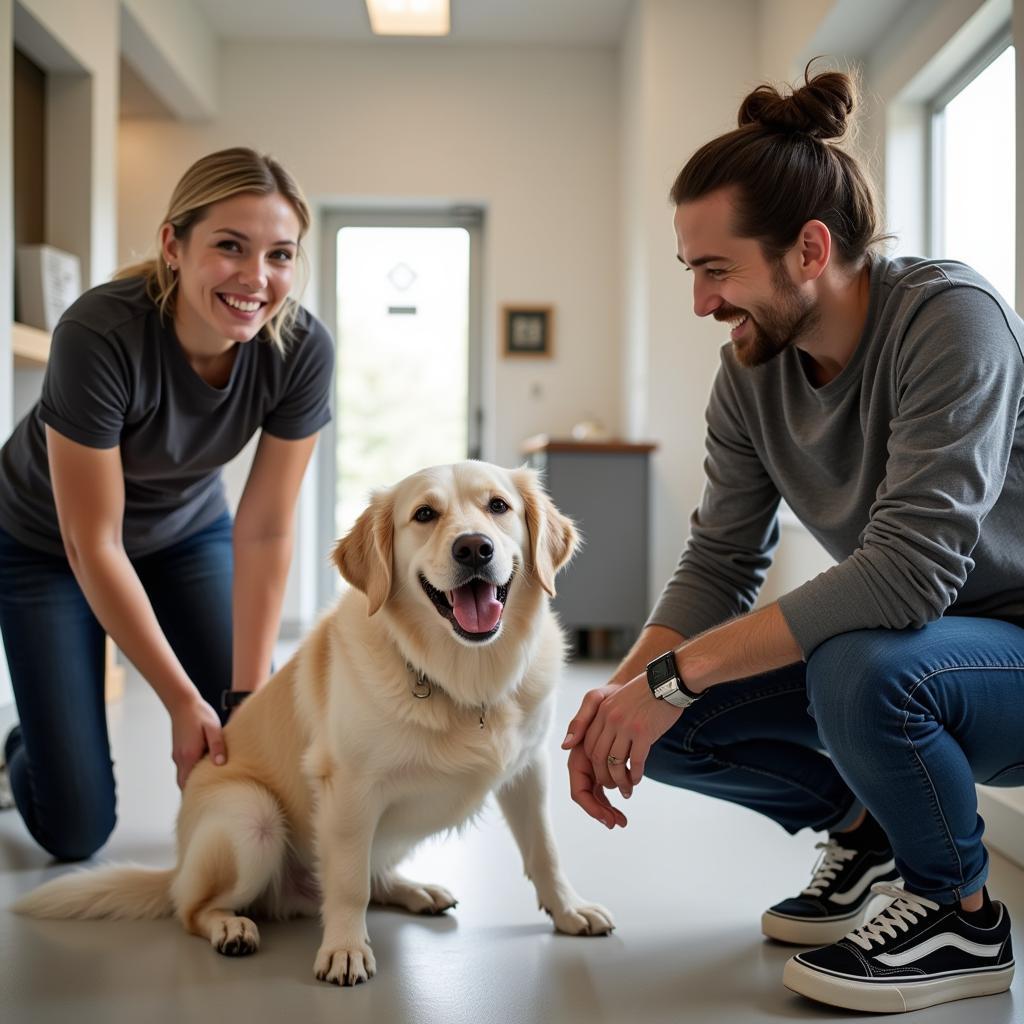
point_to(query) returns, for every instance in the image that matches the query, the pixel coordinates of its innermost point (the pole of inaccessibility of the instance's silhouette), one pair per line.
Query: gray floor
(687, 881)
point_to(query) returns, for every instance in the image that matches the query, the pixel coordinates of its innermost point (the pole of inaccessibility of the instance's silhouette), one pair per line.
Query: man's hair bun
(820, 108)
(783, 170)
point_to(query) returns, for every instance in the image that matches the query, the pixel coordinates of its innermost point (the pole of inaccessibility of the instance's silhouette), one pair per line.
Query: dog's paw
(583, 919)
(237, 936)
(394, 890)
(340, 965)
(425, 899)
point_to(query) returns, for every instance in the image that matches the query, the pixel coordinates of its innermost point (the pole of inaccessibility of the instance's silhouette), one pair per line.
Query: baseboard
(1003, 811)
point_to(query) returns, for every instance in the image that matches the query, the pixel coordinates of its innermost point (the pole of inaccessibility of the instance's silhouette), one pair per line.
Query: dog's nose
(473, 550)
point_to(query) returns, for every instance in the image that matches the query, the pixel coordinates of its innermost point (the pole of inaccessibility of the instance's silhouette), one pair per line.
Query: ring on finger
(613, 760)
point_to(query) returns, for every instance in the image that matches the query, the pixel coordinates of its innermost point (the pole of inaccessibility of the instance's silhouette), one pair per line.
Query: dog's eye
(424, 514)
(498, 505)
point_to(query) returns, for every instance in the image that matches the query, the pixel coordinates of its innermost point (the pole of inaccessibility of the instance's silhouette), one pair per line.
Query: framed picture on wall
(528, 330)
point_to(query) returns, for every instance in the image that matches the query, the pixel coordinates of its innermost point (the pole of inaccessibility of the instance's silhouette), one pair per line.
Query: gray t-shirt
(908, 468)
(118, 376)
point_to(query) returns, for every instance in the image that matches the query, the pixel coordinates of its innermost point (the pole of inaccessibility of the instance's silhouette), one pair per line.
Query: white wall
(675, 52)
(672, 51)
(172, 48)
(79, 54)
(785, 27)
(532, 134)
(6, 277)
(77, 44)
(6, 227)
(81, 58)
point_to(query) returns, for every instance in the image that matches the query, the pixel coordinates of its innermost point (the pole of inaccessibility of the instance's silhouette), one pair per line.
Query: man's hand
(583, 786)
(621, 730)
(586, 792)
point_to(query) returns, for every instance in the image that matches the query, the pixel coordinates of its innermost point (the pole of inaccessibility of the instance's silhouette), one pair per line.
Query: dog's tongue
(476, 606)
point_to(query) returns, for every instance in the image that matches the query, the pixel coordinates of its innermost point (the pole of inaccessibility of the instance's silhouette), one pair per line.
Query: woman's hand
(195, 729)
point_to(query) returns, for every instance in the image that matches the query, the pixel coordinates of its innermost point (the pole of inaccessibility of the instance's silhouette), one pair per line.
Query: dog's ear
(363, 556)
(553, 537)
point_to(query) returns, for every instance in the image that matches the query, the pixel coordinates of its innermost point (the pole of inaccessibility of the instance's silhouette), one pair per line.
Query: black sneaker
(916, 953)
(839, 897)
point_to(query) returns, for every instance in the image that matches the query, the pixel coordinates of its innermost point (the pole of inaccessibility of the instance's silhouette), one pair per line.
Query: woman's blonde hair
(212, 179)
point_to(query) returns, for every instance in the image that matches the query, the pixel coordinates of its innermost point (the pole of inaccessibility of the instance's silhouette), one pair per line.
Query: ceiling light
(409, 17)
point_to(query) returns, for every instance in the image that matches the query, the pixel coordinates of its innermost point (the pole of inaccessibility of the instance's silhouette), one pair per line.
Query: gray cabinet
(604, 488)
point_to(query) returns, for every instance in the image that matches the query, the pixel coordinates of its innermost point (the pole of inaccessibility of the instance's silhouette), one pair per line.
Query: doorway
(401, 297)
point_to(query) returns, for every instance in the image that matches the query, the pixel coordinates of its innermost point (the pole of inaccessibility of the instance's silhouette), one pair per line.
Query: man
(882, 399)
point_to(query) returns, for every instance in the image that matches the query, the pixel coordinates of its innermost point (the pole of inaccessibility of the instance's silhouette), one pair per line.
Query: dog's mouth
(474, 609)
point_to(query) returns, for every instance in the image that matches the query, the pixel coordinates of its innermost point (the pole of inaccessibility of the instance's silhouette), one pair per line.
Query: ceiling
(565, 22)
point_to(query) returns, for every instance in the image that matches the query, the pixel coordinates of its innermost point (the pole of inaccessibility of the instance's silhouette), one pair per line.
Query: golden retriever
(426, 687)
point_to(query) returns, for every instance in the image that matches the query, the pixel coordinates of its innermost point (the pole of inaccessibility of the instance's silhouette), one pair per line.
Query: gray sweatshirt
(908, 468)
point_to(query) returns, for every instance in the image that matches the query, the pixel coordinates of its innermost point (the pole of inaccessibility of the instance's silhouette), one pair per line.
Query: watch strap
(666, 681)
(232, 698)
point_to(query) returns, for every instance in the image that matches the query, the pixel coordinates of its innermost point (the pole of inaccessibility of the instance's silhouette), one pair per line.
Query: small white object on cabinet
(48, 281)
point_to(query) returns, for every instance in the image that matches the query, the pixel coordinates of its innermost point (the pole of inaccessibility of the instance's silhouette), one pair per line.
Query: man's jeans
(903, 722)
(59, 757)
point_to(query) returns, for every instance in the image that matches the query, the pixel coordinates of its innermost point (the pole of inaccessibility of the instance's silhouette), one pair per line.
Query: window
(973, 168)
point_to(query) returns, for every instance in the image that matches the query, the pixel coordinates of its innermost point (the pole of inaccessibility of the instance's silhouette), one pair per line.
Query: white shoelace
(906, 911)
(832, 861)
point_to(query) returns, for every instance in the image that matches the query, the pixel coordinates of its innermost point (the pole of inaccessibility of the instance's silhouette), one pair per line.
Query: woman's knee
(72, 827)
(76, 840)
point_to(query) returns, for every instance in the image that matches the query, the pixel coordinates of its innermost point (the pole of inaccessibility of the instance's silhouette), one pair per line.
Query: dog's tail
(131, 893)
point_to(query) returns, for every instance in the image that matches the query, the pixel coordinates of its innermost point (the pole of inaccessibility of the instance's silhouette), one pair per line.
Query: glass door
(400, 298)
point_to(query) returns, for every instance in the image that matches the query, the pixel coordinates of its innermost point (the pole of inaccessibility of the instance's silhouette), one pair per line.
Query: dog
(428, 686)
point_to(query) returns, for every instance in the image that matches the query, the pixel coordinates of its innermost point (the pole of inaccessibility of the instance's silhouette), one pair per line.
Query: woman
(112, 510)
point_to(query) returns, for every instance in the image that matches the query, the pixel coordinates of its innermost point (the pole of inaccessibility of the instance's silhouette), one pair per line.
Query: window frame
(982, 59)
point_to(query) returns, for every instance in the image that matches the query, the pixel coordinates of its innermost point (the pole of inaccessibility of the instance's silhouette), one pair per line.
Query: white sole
(897, 997)
(819, 933)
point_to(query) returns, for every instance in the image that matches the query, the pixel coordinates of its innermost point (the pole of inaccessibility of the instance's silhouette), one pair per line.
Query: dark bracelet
(232, 698)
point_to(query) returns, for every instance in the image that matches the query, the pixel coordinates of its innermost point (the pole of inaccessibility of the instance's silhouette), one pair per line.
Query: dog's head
(456, 544)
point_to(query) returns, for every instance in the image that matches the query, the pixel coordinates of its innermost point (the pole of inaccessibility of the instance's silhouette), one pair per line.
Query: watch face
(662, 669)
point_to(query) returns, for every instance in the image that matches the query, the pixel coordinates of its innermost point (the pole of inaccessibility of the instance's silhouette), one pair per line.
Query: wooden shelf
(544, 443)
(30, 345)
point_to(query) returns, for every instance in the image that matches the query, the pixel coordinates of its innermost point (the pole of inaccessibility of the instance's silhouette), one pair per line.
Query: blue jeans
(902, 722)
(59, 757)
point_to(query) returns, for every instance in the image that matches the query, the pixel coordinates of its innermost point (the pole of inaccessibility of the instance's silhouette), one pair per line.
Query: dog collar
(422, 688)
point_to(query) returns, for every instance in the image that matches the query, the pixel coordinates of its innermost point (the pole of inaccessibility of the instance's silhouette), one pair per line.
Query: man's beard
(773, 329)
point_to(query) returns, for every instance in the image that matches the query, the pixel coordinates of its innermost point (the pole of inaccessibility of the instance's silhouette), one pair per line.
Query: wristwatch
(667, 684)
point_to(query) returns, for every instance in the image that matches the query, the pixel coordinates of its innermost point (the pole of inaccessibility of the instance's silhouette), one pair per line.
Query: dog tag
(421, 689)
